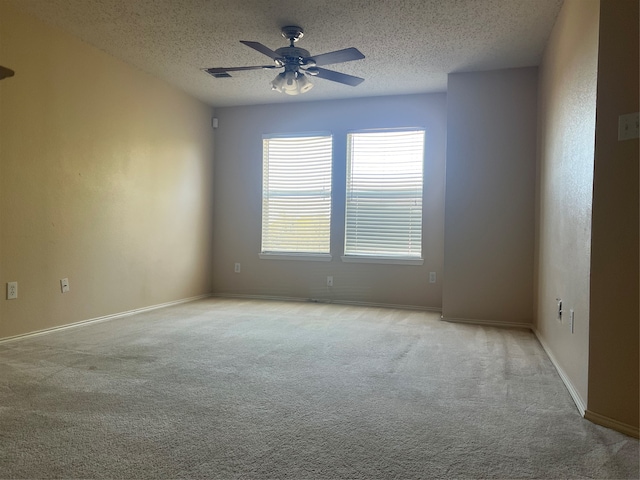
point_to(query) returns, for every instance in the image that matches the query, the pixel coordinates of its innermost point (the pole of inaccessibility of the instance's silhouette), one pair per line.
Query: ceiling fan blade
(339, 56)
(237, 69)
(262, 49)
(339, 77)
(223, 72)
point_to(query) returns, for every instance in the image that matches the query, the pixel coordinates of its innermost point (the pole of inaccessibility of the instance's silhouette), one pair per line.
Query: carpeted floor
(255, 389)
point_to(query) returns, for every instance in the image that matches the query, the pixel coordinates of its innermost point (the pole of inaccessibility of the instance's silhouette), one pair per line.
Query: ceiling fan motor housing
(294, 56)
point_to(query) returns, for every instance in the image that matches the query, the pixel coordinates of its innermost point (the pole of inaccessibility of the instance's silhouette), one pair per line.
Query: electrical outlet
(329, 281)
(64, 285)
(12, 290)
(432, 277)
(236, 267)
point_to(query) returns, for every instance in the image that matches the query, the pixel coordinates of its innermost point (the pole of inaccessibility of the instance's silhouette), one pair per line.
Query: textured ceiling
(410, 45)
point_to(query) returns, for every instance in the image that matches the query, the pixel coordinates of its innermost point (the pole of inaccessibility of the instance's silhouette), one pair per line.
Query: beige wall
(567, 101)
(489, 210)
(614, 342)
(238, 176)
(105, 178)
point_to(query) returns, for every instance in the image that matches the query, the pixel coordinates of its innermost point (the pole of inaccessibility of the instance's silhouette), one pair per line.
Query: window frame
(380, 257)
(297, 255)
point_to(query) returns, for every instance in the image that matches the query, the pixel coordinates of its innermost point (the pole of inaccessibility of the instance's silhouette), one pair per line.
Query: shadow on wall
(6, 72)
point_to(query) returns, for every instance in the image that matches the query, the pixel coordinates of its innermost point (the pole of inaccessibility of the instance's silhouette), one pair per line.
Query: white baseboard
(259, 297)
(577, 399)
(388, 305)
(611, 423)
(104, 318)
(488, 323)
(323, 300)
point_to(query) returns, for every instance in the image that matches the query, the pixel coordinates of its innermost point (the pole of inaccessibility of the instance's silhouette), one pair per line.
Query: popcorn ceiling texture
(410, 45)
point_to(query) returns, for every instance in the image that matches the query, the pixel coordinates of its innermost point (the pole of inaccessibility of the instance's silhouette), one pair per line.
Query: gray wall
(568, 78)
(238, 177)
(489, 212)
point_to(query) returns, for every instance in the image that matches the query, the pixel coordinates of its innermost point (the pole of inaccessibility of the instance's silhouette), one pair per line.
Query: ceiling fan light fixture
(304, 85)
(291, 83)
(278, 82)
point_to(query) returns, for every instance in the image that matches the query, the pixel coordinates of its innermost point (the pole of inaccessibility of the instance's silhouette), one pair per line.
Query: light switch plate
(64, 285)
(628, 127)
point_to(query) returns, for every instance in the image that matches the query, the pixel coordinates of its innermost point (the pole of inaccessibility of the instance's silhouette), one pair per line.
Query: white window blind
(296, 194)
(384, 193)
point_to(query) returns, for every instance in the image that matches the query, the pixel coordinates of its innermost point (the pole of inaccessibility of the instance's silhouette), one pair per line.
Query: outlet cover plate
(572, 321)
(12, 290)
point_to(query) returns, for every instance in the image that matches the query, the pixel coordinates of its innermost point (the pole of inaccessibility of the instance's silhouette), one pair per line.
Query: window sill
(385, 260)
(309, 257)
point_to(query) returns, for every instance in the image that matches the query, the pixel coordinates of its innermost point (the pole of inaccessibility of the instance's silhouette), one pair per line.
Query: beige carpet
(255, 389)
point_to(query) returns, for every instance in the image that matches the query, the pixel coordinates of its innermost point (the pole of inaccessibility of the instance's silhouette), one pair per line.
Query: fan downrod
(292, 33)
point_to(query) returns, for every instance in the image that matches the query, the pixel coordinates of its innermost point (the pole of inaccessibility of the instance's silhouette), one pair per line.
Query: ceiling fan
(296, 63)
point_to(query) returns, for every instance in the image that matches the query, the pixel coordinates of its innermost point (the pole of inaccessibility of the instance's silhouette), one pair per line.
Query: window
(296, 194)
(383, 215)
